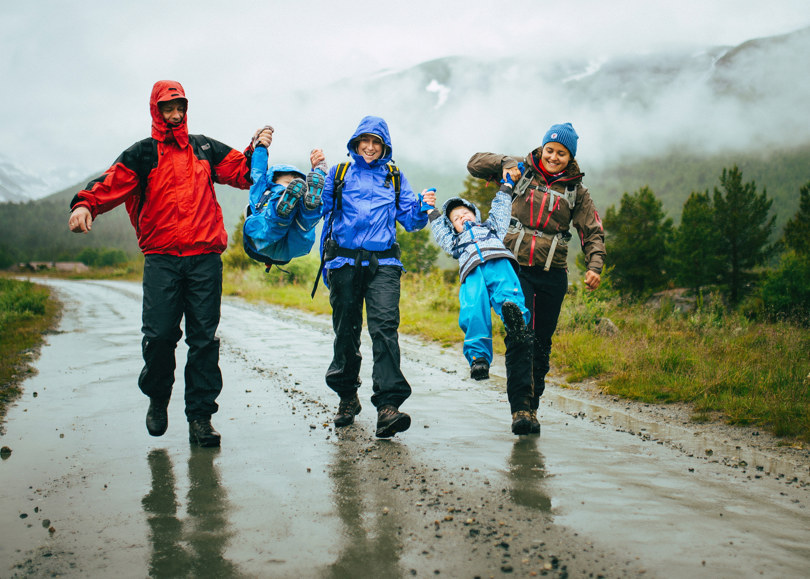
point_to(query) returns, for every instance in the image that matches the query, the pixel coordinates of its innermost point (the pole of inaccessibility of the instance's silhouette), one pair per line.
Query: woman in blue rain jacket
(361, 264)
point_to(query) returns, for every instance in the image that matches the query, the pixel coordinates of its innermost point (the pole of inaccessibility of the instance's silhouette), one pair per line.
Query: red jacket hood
(166, 90)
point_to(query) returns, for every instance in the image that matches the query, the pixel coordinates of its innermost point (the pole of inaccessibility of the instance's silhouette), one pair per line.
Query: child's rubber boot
(479, 369)
(289, 199)
(315, 183)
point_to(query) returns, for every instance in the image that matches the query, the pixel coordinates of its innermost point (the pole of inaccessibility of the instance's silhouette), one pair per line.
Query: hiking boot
(535, 429)
(347, 410)
(514, 323)
(521, 422)
(315, 183)
(289, 199)
(201, 433)
(479, 369)
(390, 421)
(157, 417)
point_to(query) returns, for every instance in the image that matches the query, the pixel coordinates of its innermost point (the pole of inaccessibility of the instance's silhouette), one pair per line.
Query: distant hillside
(675, 176)
(37, 230)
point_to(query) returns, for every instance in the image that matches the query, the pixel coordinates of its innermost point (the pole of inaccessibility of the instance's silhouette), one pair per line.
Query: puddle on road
(194, 543)
(687, 441)
(526, 474)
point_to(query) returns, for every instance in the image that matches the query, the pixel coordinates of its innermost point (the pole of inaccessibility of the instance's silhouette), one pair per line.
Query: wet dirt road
(603, 491)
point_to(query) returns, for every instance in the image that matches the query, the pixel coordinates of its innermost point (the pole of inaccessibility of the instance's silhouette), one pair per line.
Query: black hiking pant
(544, 292)
(519, 369)
(349, 288)
(173, 288)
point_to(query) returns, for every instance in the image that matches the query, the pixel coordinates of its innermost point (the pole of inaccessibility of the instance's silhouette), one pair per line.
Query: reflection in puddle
(368, 514)
(193, 546)
(527, 471)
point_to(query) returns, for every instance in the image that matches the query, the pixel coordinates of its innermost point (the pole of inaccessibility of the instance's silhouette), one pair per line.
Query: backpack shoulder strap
(394, 176)
(337, 185)
(203, 151)
(147, 159)
(571, 196)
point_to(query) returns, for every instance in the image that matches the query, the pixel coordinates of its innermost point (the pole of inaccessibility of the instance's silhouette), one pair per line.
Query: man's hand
(592, 279)
(80, 220)
(263, 136)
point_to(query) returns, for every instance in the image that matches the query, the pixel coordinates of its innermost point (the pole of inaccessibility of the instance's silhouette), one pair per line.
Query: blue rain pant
(487, 286)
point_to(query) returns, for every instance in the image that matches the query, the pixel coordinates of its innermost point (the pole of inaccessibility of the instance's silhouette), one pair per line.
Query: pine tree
(741, 220)
(419, 252)
(797, 229)
(694, 250)
(637, 237)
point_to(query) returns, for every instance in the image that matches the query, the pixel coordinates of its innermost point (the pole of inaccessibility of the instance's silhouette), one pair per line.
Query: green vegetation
(721, 362)
(26, 313)
(639, 236)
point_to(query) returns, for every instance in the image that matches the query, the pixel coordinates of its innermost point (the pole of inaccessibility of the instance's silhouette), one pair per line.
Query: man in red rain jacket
(166, 183)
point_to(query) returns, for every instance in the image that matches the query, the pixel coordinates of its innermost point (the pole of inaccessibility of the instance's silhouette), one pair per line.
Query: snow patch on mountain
(442, 92)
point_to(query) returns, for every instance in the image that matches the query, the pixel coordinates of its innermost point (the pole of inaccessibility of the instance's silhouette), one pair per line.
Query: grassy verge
(725, 366)
(26, 313)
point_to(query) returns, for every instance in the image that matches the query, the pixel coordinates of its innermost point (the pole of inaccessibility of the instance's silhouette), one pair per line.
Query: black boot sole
(401, 424)
(204, 442)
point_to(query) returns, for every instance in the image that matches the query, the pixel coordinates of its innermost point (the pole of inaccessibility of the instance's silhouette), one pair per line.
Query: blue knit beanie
(563, 134)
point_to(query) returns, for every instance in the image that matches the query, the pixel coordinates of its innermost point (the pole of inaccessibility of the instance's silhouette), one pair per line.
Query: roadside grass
(27, 312)
(747, 373)
(129, 271)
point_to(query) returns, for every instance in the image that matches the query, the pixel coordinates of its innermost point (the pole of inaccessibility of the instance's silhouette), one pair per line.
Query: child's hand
(507, 180)
(427, 200)
(318, 161)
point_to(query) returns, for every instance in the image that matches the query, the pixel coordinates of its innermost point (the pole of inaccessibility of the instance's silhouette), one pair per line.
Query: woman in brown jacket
(549, 198)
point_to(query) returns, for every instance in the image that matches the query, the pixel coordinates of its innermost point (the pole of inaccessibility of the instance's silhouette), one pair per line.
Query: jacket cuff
(434, 214)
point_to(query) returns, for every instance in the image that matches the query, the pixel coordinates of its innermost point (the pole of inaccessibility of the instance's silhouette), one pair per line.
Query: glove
(508, 181)
(424, 206)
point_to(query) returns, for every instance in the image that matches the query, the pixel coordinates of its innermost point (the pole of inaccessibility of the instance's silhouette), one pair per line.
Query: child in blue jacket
(489, 280)
(285, 207)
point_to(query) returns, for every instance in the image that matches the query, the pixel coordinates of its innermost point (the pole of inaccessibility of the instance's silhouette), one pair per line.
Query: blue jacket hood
(283, 168)
(375, 126)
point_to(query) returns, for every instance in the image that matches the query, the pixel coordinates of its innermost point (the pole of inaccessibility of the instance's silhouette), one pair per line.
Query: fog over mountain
(721, 98)
(740, 98)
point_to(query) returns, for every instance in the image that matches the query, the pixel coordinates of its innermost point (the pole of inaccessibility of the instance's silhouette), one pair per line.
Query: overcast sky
(77, 74)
